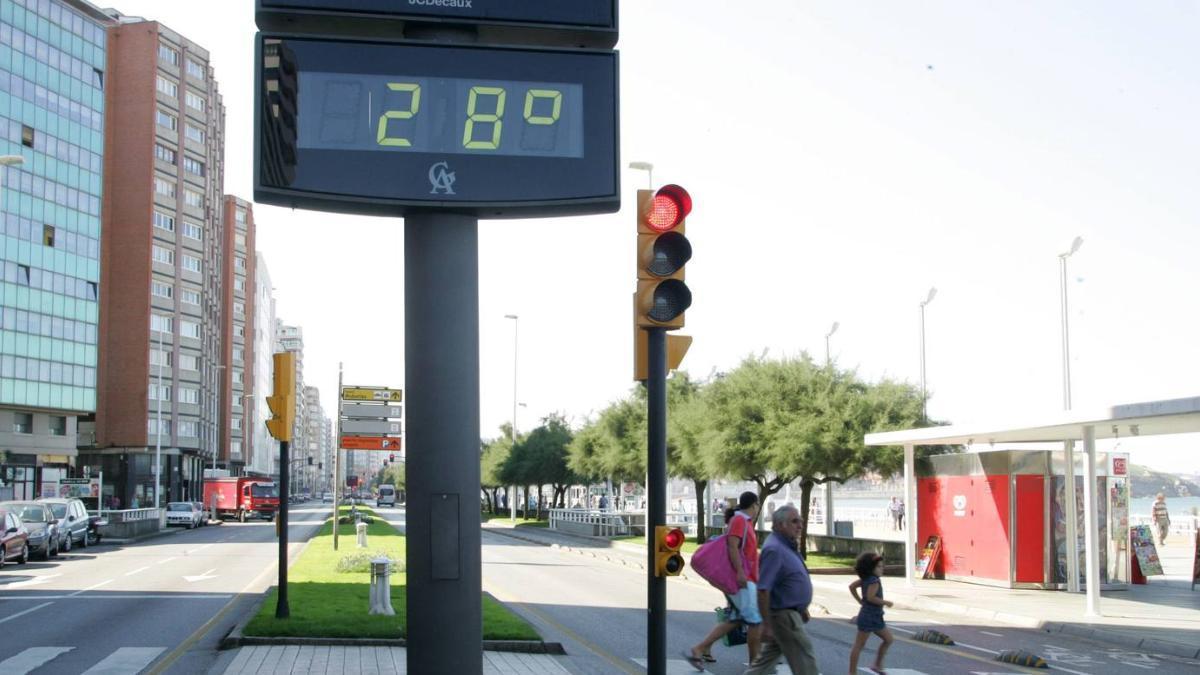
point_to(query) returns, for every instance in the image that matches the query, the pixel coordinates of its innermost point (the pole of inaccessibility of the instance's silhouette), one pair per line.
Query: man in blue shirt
(784, 593)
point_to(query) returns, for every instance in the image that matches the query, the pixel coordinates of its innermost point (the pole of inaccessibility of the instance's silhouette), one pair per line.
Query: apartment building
(237, 336)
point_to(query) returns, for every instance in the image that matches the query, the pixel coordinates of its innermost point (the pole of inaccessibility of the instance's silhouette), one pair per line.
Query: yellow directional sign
(372, 394)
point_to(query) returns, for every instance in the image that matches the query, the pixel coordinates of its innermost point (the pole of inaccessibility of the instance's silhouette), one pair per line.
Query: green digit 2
(494, 118)
(534, 94)
(381, 137)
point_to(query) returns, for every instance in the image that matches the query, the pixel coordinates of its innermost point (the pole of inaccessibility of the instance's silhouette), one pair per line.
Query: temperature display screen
(399, 113)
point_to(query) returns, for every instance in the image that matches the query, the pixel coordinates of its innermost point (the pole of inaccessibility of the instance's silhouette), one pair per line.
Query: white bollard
(381, 592)
(361, 529)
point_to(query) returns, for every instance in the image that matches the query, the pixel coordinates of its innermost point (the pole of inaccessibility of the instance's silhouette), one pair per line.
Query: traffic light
(282, 400)
(667, 560)
(662, 251)
(392, 457)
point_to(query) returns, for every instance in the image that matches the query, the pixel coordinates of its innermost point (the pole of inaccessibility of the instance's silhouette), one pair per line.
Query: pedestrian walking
(784, 594)
(869, 567)
(742, 545)
(900, 515)
(894, 511)
(1161, 518)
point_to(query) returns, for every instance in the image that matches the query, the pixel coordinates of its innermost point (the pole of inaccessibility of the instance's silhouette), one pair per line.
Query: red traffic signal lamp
(662, 251)
(392, 457)
(668, 562)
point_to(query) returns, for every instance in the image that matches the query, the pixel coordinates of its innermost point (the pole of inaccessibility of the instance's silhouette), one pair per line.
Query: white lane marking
(985, 650)
(986, 632)
(674, 666)
(164, 560)
(202, 577)
(198, 549)
(31, 659)
(120, 596)
(125, 660)
(1067, 670)
(22, 613)
(133, 572)
(33, 582)
(92, 587)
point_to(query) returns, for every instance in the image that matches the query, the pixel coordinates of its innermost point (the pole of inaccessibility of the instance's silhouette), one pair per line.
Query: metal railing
(602, 523)
(1183, 525)
(128, 515)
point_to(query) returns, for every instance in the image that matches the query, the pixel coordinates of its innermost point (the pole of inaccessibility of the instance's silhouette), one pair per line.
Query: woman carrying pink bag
(741, 544)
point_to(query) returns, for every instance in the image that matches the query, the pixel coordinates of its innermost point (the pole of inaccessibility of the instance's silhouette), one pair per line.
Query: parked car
(204, 513)
(327, 497)
(387, 496)
(73, 521)
(183, 513)
(14, 539)
(39, 520)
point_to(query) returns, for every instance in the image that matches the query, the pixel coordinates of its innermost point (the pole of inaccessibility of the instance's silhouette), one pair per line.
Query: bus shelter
(1149, 418)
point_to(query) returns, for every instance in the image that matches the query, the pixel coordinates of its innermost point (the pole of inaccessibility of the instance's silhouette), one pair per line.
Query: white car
(183, 513)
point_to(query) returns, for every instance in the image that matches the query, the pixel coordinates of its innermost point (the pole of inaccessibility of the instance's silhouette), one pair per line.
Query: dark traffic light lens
(674, 564)
(671, 298)
(671, 251)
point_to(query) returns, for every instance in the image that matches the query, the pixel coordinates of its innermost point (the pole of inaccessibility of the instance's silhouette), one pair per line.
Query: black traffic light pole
(281, 516)
(441, 373)
(656, 492)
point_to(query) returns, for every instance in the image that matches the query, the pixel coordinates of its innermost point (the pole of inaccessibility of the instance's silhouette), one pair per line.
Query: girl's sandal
(708, 657)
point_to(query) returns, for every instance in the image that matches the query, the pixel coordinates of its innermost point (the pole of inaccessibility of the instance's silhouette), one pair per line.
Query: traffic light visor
(671, 204)
(670, 299)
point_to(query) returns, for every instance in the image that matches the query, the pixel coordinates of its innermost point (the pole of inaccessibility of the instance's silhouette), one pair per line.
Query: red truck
(240, 496)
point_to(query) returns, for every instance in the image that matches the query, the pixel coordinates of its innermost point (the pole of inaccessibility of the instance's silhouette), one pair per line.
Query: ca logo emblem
(442, 178)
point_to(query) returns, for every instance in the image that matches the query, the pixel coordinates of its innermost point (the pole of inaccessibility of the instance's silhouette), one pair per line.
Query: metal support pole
(1091, 533)
(1072, 509)
(910, 507)
(158, 428)
(281, 603)
(924, 414)
(656, 493)
(441, 365)
(337, 456)
(1066, 335)
(829, 508)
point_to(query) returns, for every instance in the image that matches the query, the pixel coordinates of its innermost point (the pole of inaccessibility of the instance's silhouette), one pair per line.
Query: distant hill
(1147, 482)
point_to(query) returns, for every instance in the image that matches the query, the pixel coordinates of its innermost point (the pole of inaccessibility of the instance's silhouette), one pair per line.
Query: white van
(387, 496)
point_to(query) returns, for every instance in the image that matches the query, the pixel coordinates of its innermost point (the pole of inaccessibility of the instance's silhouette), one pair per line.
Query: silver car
(44, 539)
(183, 513)
(73, 521)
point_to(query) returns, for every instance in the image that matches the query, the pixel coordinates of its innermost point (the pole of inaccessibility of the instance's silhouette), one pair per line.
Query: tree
(546, 453)
(690, 440)
(491, 459)
(614, 444)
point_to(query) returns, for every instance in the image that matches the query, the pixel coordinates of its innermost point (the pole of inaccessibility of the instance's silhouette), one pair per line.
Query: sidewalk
(373, 661)
(1161, 617)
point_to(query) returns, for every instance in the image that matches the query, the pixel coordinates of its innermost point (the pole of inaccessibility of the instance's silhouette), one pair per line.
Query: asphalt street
(596, 609)
(140, 607)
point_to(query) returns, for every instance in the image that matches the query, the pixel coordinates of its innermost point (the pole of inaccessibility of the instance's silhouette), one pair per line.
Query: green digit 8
(381, 137)
(473, 117)
(534, 94)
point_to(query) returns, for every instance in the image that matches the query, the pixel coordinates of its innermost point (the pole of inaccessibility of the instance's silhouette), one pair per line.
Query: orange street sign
(370, 443)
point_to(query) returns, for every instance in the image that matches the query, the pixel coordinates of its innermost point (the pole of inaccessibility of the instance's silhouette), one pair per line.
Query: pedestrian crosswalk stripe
(30, 659)
(674, 666)
(125, 661)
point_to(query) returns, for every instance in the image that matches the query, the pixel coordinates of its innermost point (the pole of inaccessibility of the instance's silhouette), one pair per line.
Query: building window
(93, 291)
(22, 423)
(193, 166)
(193, 133)
(161, 357)
(193, 231)
(160, 393)
(191, 263)
(189, 395)
(239, 263)
(167, 87)
(164, 153)
(239, 308)
(194, 101)
(168, 55)
(27, 135)
(235, 423)
(189, 362)
(193, 199)
(164, 222)
(239, 331)
(163, 255)
(164, 187)
(162, 324)
(239, 239)
(189, 329)
(239, 354)
(239, 214)
(195, 69)
(152, 427)
(58, 425)
(191, 297)
(189, 428)
(235, 448)
(237, 376)
(162, 290)
(239, 284)
(165, 120)
(48, 235)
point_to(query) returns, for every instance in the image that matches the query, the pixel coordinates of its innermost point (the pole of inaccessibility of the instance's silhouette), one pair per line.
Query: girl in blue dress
(869, 567)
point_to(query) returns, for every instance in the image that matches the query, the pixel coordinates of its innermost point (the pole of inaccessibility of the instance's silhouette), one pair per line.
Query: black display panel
(389, 127)
(597, 13)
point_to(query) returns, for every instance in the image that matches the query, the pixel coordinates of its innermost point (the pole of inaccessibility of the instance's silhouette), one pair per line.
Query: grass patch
(505, 519)
(327, 603)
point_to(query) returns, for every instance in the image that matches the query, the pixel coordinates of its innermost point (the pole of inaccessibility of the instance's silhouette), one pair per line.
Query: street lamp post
(648, 168)
(158, 426)
(1069, 446)
(1066, 336)
(832, 330)
(928, 299)
(512, 502)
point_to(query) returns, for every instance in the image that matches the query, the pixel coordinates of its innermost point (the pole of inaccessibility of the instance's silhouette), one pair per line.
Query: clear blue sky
(843, 158)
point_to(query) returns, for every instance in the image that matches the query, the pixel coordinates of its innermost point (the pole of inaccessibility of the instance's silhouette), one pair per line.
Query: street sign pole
(656, 492)
(337, 464)
(441, 353)
(281, 602)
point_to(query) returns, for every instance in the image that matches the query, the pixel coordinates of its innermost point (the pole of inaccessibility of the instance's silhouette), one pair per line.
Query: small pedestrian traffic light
(662, 251)
(282, 400)
(668, 562)
(392, 457)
